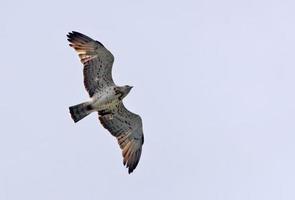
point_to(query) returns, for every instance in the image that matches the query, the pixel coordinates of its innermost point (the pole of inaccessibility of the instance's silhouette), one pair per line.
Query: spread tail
(80, 111)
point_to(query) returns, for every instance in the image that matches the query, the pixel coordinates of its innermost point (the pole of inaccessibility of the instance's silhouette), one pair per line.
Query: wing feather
(127, 128)
(97, 61)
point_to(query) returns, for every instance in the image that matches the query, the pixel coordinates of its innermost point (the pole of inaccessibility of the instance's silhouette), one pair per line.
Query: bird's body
(106, 98)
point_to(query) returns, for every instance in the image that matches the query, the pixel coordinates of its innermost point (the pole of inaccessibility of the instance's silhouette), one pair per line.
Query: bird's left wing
(127, 128)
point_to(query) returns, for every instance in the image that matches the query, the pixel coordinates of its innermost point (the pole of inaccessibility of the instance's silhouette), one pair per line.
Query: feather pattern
(127, 128)
(107, 98)
(97, 61)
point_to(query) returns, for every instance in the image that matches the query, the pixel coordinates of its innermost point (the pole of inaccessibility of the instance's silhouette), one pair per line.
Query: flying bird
(106, 98)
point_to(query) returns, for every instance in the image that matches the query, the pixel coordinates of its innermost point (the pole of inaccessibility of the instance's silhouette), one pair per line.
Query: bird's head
(125, 90)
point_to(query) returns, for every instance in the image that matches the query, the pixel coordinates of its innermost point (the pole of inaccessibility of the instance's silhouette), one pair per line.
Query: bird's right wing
(127, 128)
(97, 61)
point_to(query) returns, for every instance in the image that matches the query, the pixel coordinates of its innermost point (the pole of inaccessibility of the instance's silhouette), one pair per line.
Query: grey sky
(214, 84)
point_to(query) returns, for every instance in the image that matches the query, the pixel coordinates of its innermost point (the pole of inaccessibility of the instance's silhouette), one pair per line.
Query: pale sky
(213, 82)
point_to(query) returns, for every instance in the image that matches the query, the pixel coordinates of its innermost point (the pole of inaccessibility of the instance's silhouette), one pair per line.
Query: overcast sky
(213, 81)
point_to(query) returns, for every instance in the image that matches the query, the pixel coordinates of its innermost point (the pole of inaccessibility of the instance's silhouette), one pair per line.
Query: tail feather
(80, 111)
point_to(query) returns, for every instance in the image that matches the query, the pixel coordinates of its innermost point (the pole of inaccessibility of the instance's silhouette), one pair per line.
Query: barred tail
(80, 111)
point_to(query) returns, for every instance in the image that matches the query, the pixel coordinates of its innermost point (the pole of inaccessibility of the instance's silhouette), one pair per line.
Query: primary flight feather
(106, 98)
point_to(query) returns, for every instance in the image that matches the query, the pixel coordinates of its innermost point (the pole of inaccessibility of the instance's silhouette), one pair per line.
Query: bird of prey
(106, 98)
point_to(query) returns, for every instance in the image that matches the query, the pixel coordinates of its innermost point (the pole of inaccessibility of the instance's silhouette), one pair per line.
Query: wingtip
(131, 166)
(130, 170)
(73, 34)
(78, 38)
(70, 34)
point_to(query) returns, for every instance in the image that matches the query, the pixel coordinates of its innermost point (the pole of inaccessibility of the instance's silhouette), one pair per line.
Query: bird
(106, 98)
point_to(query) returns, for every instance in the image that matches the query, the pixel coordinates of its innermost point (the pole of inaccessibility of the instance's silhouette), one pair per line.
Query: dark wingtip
(70, 34)
(73, 34)
(132, 165)
(76, 36)
(130, 170)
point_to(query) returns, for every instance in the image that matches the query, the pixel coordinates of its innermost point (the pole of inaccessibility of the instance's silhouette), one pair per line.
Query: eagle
(106, 98)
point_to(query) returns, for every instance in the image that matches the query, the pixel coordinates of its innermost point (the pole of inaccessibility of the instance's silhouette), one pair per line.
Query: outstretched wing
(97, 61)
(127, 128)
